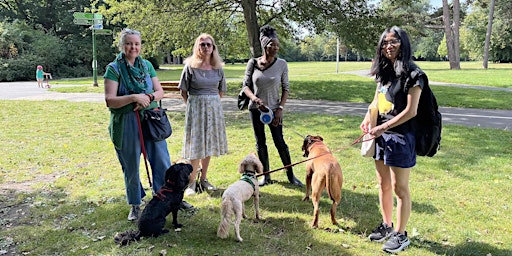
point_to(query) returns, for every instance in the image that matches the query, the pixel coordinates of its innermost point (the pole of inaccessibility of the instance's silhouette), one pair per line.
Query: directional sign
(103, 32)
(83, 22)
(85, 15)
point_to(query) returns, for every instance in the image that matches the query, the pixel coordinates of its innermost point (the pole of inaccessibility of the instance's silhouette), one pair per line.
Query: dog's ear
(258, 165)
(182, 175)
(241, 167)
(170, 174)
(305, 144)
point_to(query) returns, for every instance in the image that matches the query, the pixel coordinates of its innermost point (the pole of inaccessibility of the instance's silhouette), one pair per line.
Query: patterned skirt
(205, 128)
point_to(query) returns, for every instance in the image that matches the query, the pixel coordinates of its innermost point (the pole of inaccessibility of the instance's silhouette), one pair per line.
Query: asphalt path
(498, 119)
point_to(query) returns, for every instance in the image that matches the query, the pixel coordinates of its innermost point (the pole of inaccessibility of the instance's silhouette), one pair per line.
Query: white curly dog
(237, 193)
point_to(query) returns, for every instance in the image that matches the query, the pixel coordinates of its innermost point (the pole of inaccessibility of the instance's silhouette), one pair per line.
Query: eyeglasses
(393, 42)
(205, 44)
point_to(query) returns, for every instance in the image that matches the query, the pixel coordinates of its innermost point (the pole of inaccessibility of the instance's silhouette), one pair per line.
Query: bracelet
(151, 96)
(281, 107)
(387, 125)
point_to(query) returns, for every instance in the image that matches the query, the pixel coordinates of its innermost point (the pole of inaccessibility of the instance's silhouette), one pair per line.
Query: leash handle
(143, 148)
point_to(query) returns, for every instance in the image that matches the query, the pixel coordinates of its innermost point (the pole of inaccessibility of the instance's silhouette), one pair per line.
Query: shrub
(154, 62)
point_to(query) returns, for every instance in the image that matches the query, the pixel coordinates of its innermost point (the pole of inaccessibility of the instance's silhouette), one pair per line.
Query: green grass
(319, 81)
(71, 199)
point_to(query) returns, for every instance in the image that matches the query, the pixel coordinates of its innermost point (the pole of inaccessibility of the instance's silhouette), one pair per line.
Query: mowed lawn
(62, 191)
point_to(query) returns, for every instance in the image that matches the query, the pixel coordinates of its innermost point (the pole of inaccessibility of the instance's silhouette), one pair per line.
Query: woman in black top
(394, 133)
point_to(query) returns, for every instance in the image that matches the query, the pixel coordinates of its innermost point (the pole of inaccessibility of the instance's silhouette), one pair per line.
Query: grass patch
(73, 200)
(319, 81)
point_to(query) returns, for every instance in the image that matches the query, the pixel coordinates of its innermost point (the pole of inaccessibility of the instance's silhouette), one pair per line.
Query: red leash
(358, 140)
(143, 148)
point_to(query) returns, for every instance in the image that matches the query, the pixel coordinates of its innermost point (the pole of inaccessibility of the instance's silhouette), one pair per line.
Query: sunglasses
(393, 42)
(205, 44)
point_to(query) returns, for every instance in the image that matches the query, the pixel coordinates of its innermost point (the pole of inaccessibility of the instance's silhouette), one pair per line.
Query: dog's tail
(125, 238)
(330, 183)
(225, 217)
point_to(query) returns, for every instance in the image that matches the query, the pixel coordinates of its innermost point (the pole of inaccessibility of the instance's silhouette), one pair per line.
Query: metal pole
(94, 62)
(337, 54)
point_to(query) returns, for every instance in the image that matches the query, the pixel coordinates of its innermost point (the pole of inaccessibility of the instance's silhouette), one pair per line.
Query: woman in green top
(131, 85)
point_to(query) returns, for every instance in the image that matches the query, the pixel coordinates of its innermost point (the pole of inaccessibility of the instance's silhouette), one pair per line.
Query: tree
(452, 35)
(475, 27)
(488, 35)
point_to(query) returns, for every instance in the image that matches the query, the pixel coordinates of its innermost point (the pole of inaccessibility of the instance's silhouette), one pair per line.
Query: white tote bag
(368, 144)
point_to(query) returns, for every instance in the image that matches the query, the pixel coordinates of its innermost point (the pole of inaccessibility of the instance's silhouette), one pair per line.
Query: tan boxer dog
(323, 171)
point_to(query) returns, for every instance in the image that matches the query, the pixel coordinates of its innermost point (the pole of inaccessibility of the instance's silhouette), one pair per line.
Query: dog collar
(247, 177)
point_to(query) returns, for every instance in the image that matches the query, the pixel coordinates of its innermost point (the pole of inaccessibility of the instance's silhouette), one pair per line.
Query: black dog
(168, 199)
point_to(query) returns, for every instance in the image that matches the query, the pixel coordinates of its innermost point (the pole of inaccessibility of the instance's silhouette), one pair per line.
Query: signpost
(95, 20)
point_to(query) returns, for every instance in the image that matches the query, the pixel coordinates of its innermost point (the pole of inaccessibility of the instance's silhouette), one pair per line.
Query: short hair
(404, 62)
(195, 60)
(122, 37)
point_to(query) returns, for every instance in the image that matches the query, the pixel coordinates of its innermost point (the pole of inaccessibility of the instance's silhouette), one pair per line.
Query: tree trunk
(448, 33)
(488, 35)
(251, 23)
(456, 43)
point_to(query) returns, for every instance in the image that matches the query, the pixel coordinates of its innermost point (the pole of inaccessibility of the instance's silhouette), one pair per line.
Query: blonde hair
(195, 60)
(122, 37)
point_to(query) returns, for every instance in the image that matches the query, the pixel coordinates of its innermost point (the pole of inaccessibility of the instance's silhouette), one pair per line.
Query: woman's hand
(278, 117)
(378, 130)
(141, 101)
(258, 102)
(365, 125)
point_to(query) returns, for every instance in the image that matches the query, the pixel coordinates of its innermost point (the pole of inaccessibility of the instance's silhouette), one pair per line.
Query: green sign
(83, 21)
(85, 15)
(103, 31)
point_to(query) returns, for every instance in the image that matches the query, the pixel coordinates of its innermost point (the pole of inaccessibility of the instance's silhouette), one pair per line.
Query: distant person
(131, 85)
(40, 74)
(202, 85)
(269, 78)
(394, 133)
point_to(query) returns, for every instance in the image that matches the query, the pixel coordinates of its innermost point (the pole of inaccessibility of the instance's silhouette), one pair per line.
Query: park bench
(171, 90)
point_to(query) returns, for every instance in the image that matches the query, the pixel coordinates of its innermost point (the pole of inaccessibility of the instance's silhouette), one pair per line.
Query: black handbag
(243, 100)
(156, 125)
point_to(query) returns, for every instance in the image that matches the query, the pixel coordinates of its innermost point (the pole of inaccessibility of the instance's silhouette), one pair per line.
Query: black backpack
(428, 120)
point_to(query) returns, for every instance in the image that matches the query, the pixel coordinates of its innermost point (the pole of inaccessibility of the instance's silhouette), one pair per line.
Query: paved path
(499, 119)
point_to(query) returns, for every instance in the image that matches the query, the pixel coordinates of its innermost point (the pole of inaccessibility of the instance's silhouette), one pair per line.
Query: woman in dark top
(394, 133)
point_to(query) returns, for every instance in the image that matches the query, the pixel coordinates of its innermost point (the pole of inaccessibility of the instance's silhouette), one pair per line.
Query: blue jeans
(129, 157)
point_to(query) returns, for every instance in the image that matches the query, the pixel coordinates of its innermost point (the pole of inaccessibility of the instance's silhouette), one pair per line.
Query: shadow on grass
(467, 248)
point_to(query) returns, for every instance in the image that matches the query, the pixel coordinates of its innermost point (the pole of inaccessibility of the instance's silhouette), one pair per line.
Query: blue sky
(436, 3)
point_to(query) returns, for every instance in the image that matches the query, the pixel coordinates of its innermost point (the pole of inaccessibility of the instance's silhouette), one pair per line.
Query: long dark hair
(382, 68)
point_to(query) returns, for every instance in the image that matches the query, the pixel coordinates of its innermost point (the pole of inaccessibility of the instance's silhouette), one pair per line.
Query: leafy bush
(154, 62)
(19, 69)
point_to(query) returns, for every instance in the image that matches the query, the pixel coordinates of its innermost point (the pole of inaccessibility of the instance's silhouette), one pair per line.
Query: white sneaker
(191, 190)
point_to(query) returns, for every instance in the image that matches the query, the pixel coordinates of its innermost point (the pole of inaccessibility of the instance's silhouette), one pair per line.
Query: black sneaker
(396, 243)
(381, 233)
(185, 206)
